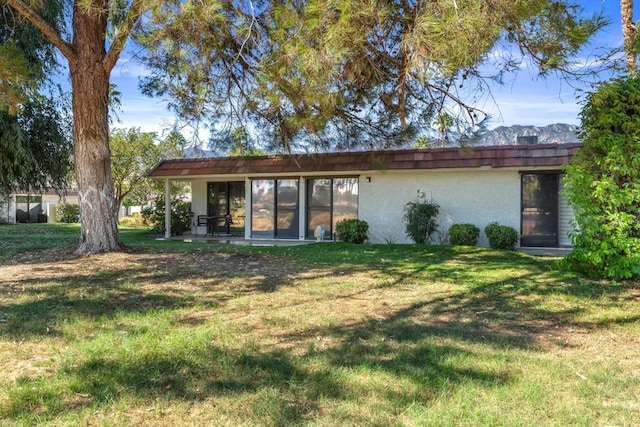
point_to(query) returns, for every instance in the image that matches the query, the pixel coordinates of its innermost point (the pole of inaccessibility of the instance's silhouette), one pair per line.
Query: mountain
(552, 134)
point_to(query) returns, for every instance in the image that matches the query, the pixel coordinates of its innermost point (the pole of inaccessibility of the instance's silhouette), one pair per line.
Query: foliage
(355, 73)
(463, 234)
(352, 230)
(181, 216)
(603, 183)
(133, 154)
(27, 59)
(67, 212)
(420, 219)
(35, 147)
(501, 236)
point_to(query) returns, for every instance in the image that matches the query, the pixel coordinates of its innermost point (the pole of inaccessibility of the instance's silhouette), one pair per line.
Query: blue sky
(524, 99)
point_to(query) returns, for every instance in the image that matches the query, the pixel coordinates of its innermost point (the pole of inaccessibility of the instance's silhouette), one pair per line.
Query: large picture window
(330, 200)
(274, 208)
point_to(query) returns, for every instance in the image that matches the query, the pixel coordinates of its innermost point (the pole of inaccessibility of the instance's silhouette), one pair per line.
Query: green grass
(172, 333)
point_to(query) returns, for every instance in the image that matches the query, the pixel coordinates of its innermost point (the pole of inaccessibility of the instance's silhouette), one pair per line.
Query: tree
(35, 147)
(603, 183)
(339, 71)
(90, 65)
(313, 74)
(133, 154)
(26, 57)
(35, 142)
(629, 32)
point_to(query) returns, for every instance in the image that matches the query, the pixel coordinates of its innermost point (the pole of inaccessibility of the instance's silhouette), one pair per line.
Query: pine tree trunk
(90, 88)
(629, 31)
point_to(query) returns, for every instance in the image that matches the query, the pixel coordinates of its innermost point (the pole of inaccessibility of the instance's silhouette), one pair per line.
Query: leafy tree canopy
(35, 147)
(344, 73)
(26, 57)
(133, 154)
(603, 183)
(35, 141)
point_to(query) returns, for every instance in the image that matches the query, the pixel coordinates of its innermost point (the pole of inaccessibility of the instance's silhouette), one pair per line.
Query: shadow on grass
(279, 388)
(153, 282)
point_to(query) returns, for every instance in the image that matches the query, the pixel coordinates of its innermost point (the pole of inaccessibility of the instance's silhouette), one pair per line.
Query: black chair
(201, 220)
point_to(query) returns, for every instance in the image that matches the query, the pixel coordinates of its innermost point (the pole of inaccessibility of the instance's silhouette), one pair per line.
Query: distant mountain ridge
(558, 133)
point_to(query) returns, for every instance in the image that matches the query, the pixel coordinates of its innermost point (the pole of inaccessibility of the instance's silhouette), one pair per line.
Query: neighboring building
(34, 207)
(288, 197)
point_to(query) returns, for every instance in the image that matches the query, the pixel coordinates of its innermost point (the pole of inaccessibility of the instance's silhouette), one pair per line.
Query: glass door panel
(287, 223)
(539, 210)
(262, 208)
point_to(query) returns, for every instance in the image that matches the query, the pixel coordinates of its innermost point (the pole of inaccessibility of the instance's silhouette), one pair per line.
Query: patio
(238, 240)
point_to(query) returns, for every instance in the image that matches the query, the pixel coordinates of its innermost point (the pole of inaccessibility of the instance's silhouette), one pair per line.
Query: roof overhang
(539, 156)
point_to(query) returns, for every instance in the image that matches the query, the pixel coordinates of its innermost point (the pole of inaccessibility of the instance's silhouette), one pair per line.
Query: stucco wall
(8, 209)
(198, 203)
(478, 197)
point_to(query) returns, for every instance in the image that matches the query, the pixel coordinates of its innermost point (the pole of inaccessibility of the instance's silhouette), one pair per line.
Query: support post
(167, 209)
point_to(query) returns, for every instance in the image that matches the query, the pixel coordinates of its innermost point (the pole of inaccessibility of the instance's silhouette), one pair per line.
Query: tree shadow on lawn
(280, 388)
(39, 303)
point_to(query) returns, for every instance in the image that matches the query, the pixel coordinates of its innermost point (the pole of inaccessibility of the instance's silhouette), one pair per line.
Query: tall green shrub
(603, 183)
(181, 216)
(420, 219)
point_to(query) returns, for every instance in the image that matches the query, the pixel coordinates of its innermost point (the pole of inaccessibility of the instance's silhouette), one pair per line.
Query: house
(34, 207)
(289, 196)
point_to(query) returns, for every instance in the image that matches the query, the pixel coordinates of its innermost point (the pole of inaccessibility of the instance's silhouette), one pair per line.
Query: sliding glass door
(330, 200)
(275, 208)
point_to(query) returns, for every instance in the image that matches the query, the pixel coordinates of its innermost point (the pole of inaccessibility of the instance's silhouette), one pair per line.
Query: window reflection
(330, 201)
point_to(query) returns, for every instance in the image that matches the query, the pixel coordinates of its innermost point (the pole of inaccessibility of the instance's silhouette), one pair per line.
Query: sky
(524, 99)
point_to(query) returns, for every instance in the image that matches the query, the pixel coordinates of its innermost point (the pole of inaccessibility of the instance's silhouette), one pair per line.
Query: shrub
(501, 236)
(464, 234)
(67, 212)
(420, 220)
(180, 217)
(602, 183)
(352, 230)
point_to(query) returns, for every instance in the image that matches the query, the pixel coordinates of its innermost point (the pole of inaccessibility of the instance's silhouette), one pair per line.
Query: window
(330, 200)
(274, 208)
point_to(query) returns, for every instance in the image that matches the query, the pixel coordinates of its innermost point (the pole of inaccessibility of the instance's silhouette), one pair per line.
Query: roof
(507, 156)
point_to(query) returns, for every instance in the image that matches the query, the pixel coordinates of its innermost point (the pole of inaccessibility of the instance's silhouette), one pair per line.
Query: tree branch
(133, 15)
(47, 30)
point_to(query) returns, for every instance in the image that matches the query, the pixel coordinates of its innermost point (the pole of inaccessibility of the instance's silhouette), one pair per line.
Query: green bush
(464, 234)
(420, 220)
(603, 183)
(67, 212)
(352, 230)
(180, 217)
(501, 236)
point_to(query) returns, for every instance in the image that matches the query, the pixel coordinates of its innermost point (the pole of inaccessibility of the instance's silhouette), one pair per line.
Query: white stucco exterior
(478, 197)
(515, 186)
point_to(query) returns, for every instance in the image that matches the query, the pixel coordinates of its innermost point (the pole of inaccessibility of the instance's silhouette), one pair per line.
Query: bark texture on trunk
(629, 31)
(90, 88)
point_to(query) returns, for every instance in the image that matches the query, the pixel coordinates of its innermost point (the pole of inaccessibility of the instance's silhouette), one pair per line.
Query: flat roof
(505, 156)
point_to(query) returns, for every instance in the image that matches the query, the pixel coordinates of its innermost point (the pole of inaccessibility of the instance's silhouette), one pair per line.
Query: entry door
(539, 210)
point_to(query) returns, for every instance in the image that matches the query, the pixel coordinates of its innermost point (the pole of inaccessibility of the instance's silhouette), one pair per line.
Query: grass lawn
(171, 333)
